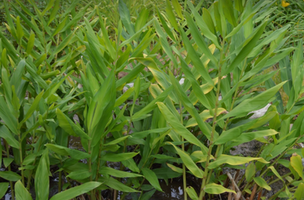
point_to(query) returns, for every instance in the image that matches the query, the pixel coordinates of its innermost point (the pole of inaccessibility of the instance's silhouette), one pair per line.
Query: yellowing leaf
(299, 194)
(192, 193)
(233, 160)
(174, 168)
(213, 188)
(262, 183)
(187, 160)
(296, 163)
(204, 115)
(200, 156)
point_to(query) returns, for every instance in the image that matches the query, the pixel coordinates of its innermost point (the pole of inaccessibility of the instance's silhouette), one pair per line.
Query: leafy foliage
(163, 95)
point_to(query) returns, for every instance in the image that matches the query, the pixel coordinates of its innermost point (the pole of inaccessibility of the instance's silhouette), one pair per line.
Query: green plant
(62, 82)
(233, 68)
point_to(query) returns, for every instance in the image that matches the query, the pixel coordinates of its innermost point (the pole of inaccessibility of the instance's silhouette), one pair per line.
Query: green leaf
(69, 126)
(195, 86)
(10, 176)
(17, 75)
(116, 185)
(178, 9)
(196, 59)
(9, 138)
(116, 173)
(254, 103)
(7, 161)
(148, 195)
(125, 16)
(118, 140)
(187, 160)
(106, 37)
(130, 163)
(152, 105)
(142, 19)
(30, 43)
(296, 163)
(249, 44)
(299, 194)
(233, 132)
(179, 128)
(64, 151)
(246, 137)
(262, 183)
(79, 174)
(54, 11)
(53, 87)
(6, 84)
(59, 27)
(48, 7)
(276, 173)
(213, 188)
(76, 191)
(174, 168)
(191, 192)
(34, 74)
(152, 178)
(136, 34)
(21, 192)
(63, 43)
(199, 39)
(32, 108)
(208, 20)
(118, 156)
(189, 106)
(240, 25)
(206, 115)
(165, 26)
(20, 32)
(3, 189)
(100, 109)
(250, 171)
(233, 160)
(171, 15)
(229, 12)
(164, 43)
(120, 100)
(202, 25)
(42, 182)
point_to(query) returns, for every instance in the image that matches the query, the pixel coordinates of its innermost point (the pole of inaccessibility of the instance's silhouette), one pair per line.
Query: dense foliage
(116, 96)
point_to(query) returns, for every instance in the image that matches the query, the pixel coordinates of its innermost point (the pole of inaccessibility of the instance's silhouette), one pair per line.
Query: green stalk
(273, 163)
(281, 190)
(60, 182)
(98, 165)
(9, 169)
(204, 182)
(90, 169)
(281, 155)
(183, 148)
(276, 180)
(21, 160)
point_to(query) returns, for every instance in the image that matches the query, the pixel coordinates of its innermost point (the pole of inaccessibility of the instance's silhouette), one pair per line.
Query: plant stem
(281, 155)
(21, 160)
(60, 182)
(204, 182)
(276, 194)
(90, 169)
(183, 148)
(9, 169)
(272, 182)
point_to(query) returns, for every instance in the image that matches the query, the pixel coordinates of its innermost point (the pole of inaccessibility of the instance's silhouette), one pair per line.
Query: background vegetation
(106, 99)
